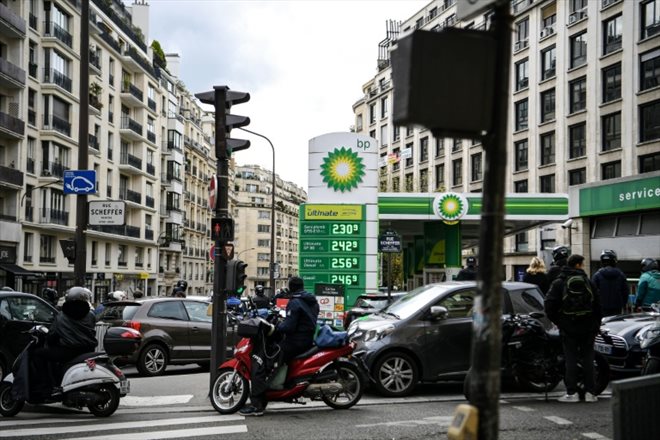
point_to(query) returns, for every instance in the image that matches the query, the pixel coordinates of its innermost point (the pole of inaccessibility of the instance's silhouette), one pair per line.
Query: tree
(159, 55)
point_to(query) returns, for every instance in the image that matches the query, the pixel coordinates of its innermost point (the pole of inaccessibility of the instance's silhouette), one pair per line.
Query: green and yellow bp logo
(342, 169)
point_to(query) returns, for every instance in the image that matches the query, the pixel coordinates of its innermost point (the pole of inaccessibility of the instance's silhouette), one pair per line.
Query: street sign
(107, 212)
(80, 182)
(465, 9)
(389, 241)
(213, 192)
(228, 252)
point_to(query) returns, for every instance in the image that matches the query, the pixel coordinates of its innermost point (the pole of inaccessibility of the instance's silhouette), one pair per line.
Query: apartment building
(252, 212)
(584, 113)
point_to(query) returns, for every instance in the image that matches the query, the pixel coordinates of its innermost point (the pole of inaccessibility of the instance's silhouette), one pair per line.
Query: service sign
(103, 212)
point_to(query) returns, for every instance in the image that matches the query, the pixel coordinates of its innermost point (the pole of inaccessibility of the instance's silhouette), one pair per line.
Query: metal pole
(219, 323)
(79, 267)
(389, 277)
(486, 348)
(272, 214)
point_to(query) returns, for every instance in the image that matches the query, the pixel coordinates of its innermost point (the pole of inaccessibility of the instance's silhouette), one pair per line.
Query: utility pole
(80, 263)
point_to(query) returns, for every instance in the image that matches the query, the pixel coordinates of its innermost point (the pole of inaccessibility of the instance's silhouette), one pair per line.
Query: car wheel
(652, 366)
(395, 374)
(152, 360)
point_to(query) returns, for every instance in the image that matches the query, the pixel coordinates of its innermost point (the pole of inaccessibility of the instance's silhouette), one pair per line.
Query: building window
(650, 18)
(548, 105)
(649, 121)
(476, 168)
(612, 31)
(521, 115)
(395, 184)
(424, 149)
(578, 94)
(520, 186)
(577, 177)
(28, 238)
(397, 158)
(548, 148)
(383, 136)
(383, 107)
(548, 20)
(611, 130)
(577, 142)
(457, 167)
(397, 133)
(424, 180)
(522, 242)
(263, 215)
(547, 183)
(521, 155)
(263, 243)
(522, 34)
(372, 113)
(439, 147)
(263, 229)
(649, 163)
(47, 249)
(610, 170)
(409, 157)
(548, 62)
(649, 70)
(410, 183)
(457, 145)
(108, 254)
(440, 177)
(578, 46)
(612, 82)
(409, 131)
(522, 74)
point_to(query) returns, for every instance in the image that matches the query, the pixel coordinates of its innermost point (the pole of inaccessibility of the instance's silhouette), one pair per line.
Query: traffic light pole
(219, 325)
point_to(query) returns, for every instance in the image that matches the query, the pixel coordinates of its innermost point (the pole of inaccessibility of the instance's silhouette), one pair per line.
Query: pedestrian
(559, 257)
(535, 274)
(137, 294)
(470, 272)
(612, 284)
(648, 288)
(573, 304)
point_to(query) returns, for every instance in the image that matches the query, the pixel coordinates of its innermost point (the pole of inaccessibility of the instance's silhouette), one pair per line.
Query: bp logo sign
(450, 207)
(342, 169)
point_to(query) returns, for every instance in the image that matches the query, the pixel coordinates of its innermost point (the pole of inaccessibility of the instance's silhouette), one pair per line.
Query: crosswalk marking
(155, 400)
(178, 433)
(119, 425)
(34, 421)
(558, 420)
(524, 408)
(594, 435)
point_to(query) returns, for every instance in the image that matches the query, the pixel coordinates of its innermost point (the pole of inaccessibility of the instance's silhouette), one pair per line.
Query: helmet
(78, 293)
(7, 289)
(649, 264)
(50, 294)
(183, 284)
(560, 253)
(259, 290)
(471, 261)
(116, 296)
(608, 256)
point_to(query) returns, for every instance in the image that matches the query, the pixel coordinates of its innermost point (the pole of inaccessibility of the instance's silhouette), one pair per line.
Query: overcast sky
(303, 62)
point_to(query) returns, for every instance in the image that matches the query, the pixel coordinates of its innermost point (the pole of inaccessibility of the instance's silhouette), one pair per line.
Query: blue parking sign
(80, 182)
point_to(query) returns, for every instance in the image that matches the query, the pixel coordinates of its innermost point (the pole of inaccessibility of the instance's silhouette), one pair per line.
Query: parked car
(408, 341)
(175, 331)
(368, 304)
(19, 312)
(619, 341)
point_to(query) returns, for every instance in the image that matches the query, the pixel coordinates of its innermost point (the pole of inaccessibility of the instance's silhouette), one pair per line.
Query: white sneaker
(569, 398)
(588, 397)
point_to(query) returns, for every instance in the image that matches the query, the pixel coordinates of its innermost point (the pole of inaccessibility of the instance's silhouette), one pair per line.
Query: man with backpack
(611, 284)
(573, 304)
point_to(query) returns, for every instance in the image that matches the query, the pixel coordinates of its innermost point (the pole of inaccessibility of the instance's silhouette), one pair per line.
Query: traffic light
(223, 99)
(236, 276)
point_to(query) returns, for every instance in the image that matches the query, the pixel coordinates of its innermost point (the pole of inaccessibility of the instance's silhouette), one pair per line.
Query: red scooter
(332, 375)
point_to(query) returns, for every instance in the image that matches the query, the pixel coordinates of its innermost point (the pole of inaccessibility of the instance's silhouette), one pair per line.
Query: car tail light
(132, 333)
(135, 325)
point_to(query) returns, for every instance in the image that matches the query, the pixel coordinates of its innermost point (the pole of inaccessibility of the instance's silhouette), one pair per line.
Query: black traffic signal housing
(236, 276)
(223, 99)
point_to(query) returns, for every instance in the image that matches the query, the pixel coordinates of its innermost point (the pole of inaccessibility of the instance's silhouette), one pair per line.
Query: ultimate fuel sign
(333, 247)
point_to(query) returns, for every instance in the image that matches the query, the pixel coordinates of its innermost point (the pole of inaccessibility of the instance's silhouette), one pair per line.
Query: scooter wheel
(229, 395)
(352, 382)
(8, 406)
(110, 395)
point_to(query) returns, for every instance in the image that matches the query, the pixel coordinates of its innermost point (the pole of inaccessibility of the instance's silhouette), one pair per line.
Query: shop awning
(15, 269)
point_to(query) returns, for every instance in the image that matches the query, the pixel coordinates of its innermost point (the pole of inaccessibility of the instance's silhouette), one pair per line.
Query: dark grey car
(175, 331)
(408, 342)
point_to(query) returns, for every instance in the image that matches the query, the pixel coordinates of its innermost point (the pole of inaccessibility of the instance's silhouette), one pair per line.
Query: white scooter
(90, 380)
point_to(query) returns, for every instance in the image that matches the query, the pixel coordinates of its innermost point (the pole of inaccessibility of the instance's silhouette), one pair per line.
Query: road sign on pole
(228, 252)
(213, 192)
(80, 182)
(102, 212)
(389, 241)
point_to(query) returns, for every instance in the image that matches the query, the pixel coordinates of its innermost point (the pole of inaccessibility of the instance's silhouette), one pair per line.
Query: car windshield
(415, 300)
(124, 312)
(371, 303)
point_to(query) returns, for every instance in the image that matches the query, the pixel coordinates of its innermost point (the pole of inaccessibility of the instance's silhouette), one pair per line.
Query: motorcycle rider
(260, 301)
(112, 296)
(50, 295)
(559, 258)
(297, 331)
(611, 283)
(648, 287)
(72, 333)
(470, 272)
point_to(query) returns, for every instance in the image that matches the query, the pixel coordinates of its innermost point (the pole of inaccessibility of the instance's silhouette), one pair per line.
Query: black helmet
(296, 284)
(77, 302)
(608, 256)
(259, 290)
(560, 253)
(50, 294)
(649, 264)
(471, 261)
(78, 293)
(183, 284)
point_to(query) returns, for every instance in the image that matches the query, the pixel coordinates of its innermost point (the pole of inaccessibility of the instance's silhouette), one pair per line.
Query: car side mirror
(439, 312)
(537, 315)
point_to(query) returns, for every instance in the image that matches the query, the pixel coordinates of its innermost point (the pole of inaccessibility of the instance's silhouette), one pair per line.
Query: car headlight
(378, 333)
(641, 333)
(647, 335)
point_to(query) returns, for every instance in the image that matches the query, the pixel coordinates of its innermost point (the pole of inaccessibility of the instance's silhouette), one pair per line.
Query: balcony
(151, 136)
(52, 76)
(11, 76)
(125, 230)
(151, 169)
(128, 161)
(148, 235)
(151, 104)
(33, 21)
(130, 128)
(133, 196)
(131, 95)
(54, 216)
(93, 143)
(56, 31)
(95, 105)
(53, 169)
(30, 165)
(52, 122)
(33, 68)
(109, 11)
(11, 126)
(10, 229)
(136, 62)
(149, 201)
(11, 176)
(95, 62)
(11, 24)
(32, 117)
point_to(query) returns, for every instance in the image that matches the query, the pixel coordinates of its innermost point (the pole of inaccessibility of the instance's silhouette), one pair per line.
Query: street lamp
(272, 212)
(243, 251)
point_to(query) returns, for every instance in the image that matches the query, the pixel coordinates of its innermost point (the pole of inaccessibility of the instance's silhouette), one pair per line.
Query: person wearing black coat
(535, 274)
(559, 258)
(470, 272)
(577, 331)
(612, 284)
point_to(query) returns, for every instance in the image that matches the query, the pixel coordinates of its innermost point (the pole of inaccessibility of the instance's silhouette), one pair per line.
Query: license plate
(603, 348)
(124, 386)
